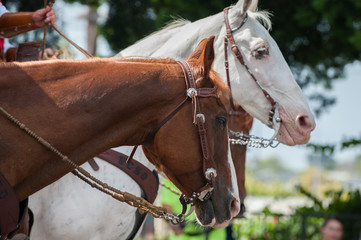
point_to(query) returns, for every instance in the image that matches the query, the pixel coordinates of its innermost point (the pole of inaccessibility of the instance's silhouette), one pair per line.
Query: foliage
(127, 22)
(306, 221)
(90, 3)
(329, 149)
(257, 187)
(267, 177)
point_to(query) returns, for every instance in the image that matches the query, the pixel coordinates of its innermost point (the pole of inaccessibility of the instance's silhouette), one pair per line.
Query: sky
(342, 121)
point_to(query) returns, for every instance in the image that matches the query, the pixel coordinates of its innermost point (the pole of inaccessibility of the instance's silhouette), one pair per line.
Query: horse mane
(263, 17)
(217, 81)
(146, 59)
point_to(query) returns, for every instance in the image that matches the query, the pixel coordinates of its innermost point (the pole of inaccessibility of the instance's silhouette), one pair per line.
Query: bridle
(209, 169)
(273, 115)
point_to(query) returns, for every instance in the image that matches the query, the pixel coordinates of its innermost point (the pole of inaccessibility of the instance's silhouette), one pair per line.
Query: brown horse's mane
(214, 77)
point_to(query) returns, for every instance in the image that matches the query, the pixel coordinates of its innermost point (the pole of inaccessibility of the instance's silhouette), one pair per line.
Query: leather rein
(273, 115)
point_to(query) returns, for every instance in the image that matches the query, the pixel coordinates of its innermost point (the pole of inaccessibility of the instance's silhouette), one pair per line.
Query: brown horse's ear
(204, 54)
(199, 49)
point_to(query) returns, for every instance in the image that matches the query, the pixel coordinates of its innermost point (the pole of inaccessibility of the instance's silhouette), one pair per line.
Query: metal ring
(191, 92)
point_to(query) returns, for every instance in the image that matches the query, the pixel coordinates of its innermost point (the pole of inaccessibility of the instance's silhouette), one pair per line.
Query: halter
(273, 115)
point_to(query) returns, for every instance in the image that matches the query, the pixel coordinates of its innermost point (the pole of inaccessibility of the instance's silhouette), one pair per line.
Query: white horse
(64, 212)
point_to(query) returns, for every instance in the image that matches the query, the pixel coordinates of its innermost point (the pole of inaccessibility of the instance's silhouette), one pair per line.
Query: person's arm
(12, 24)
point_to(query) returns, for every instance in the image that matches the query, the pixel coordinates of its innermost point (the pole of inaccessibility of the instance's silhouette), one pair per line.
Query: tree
(128, 21)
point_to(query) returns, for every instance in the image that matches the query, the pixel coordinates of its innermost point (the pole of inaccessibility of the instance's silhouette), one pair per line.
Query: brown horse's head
(176, 148)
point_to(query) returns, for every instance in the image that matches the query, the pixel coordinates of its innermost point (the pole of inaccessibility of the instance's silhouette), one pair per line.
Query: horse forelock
(219, 83)
(223, 90)
(264, 17)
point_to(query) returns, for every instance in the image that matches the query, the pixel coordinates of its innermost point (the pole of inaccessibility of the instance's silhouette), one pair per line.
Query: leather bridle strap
(199, 119)
(236, 50)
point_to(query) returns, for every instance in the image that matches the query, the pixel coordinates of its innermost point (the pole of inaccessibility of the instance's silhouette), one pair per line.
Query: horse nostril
(305, 124)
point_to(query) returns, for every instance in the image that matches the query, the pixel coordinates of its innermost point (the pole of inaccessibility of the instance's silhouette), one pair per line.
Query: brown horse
(63, 102)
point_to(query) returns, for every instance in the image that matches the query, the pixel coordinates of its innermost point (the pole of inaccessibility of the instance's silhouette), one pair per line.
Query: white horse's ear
(245, 5)
(254, 5)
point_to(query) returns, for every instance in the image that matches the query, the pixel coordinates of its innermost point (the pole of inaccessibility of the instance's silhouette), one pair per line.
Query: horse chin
(284, 136)
(208, 217)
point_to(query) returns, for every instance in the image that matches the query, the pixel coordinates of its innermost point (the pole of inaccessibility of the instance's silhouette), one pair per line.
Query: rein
(144, 206)
(88, 55)
(273, 115)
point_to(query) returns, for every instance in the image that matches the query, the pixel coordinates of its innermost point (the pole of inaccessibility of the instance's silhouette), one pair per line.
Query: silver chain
(253, 141)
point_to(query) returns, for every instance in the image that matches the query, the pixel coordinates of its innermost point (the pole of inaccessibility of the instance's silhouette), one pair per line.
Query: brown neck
(82, 108)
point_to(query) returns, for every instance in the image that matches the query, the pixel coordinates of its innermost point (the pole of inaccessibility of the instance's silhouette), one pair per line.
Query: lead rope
(140, 203)
(88, 55)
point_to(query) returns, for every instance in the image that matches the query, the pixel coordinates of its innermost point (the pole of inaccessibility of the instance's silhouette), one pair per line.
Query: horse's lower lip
(285, 137)
(291, 138)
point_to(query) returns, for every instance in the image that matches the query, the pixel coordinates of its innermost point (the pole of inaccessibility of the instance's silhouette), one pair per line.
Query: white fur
(71, 209)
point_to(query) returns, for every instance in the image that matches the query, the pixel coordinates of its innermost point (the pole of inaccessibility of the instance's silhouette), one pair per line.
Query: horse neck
(82, 108)
(182, 41)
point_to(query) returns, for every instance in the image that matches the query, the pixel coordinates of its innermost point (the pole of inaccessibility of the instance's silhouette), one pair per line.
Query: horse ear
(199, 49)
(254, 5)
(207, 55)
(245, 5)
(204, 54)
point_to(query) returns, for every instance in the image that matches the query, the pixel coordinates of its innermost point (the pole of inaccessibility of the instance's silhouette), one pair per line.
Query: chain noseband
(274, 118)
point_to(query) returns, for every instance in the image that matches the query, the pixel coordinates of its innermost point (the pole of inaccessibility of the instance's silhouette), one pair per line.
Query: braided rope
(170, 189)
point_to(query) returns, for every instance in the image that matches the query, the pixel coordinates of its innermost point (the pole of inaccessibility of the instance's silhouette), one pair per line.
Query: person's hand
(48, 53)
(45, 16)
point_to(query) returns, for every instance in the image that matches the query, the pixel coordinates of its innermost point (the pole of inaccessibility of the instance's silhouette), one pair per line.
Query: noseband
(273, 115)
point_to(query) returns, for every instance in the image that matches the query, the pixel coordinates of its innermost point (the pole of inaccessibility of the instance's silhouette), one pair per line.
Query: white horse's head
(265, 61)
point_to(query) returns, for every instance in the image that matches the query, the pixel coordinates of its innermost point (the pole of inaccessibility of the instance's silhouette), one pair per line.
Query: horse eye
(260, 52)
(221, 122)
